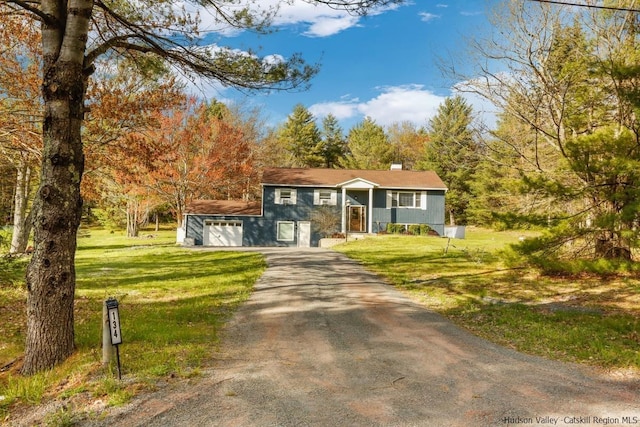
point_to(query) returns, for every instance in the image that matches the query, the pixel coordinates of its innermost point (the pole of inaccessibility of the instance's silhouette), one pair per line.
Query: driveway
(322, 342)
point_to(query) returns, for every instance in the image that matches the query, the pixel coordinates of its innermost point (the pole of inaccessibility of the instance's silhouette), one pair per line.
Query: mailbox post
(111, 327)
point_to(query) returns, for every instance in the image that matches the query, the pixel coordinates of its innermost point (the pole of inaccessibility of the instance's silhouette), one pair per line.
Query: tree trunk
(133, 221)
(58, 205)
(612, 248)
(21, 222)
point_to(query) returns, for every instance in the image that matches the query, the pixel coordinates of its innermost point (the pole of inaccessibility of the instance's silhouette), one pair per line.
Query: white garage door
(222, 233)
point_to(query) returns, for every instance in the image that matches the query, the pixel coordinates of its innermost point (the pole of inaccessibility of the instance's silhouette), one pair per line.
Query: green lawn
(582, 318)
(172, 304)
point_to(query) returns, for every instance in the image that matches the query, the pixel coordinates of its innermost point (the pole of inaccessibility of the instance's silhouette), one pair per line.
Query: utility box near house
(454, 232)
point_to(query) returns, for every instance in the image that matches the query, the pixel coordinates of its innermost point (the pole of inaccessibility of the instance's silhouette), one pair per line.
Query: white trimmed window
(407, 199)
(286, 196)
(286, 231)
(325, 197)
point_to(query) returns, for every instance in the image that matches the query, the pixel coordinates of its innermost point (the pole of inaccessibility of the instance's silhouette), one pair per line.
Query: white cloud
(426, 16)
(318, 20)
(402, 103)
(410, 103)
(326, 26)
(340, 109)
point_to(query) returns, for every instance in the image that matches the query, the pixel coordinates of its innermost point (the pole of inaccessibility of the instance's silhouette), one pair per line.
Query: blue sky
(383, 65)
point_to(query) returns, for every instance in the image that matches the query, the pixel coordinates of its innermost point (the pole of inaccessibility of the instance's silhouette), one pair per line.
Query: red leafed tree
(200, 153)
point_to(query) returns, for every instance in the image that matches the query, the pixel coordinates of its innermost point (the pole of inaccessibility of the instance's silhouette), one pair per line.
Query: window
(285, 231)
(223, 223)
(325, 197)
(407, 199)
(285, 196)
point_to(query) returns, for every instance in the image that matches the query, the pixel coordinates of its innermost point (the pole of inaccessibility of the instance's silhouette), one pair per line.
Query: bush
(425, 230)
(396, 228)
(414, 229)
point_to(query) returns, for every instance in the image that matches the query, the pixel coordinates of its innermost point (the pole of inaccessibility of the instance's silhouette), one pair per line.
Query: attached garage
(222, 233)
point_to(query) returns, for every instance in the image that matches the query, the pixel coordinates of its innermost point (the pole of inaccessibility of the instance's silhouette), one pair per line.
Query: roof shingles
(308, 177)
(399, 179)
(224, 207)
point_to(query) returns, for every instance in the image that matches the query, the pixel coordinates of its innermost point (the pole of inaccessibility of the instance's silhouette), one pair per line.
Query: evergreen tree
(333, 141)
(369, 147)
(301, 136)
(572, 89)
(453, 153)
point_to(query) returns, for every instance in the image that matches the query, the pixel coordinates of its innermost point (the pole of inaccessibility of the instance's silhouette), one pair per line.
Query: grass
(172, 304)
(581, 318)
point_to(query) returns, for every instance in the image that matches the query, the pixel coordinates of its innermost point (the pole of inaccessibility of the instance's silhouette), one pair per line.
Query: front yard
(580, 318)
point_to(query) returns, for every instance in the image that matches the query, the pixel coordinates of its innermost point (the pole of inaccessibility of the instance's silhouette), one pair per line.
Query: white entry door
(304, 234)
(222, 233)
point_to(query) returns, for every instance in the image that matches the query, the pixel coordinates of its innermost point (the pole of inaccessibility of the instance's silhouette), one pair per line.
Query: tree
(273, 152)
(368, 146)
(199, 151)
(571, 87)
(124, 104)
(501, 198)
(333, 142)
(453, 153)
(20, 117)
(407, 142)
(75, 33)
(301, 136)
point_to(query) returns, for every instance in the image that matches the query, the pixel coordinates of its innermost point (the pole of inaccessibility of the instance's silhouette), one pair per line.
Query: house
(293, 201)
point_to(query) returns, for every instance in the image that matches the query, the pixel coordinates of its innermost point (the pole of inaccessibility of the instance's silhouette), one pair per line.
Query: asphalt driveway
(322, 342)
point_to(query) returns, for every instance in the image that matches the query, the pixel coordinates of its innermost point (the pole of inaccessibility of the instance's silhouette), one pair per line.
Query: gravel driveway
(322, 342)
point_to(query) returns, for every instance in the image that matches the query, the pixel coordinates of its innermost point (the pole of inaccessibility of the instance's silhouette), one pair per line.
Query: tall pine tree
(334, 144)
(453, 153)
(301, 136)
(369, 147)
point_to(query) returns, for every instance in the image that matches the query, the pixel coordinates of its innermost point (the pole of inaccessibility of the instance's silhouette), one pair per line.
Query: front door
(357, 219)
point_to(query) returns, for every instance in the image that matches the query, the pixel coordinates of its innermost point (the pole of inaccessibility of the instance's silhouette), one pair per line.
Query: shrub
(414, 229)
(394, 228)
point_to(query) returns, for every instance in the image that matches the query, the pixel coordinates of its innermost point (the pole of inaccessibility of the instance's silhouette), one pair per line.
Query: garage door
(222, 233)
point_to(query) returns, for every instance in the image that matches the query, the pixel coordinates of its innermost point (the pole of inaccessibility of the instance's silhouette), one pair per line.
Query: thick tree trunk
(58, 205)
(21, 221)
(51, 273)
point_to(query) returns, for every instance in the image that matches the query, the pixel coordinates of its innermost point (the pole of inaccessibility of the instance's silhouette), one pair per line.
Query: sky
(384, 65)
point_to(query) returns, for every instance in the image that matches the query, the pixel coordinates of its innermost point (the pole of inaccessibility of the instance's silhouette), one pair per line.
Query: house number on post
(114, 328)
(114, 321)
